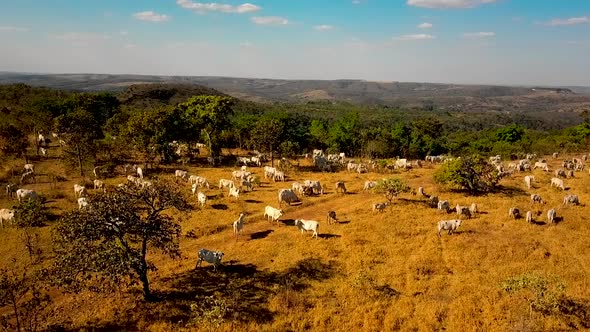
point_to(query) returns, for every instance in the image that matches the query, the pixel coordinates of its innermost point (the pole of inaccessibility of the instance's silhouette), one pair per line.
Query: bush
(31, 213)
(392, 187)
(473, 174)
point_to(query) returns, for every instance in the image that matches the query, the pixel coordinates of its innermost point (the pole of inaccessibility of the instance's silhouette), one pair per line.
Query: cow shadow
(260, 235)
(538, 223)
(510, 191)
(242, 290)
(342, 222)
(464, 232)
(252, 201)
(220, 206)
(329, 236)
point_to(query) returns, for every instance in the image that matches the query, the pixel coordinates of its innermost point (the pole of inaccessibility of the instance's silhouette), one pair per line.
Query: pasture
(368, 272)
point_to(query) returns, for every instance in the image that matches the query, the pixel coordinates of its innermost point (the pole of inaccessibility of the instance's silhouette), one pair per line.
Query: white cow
(11, 190)
(246, 184)
(315, 186)
(473, 209)
(401, 163)
(234, 192)
(269, 172)
(287, 196)
(82, 202)
(199, 181)
(448, 225)
(239, 225)
(22, 194)
(514, 213)
(279, 176)
(297, 187)
(79, 190)
(224, 183)
(140, 172)
(369, 185)
(26, 176)
(272, 214)
(181, 174)
(541, 165)
(202, 198)
(43, 151)
(536, 198)
(529, 217)
(528, 180)
(29, 168)
(463, 210)
(340, 187)
(571, 199)
(308, 225)
(133, 179)
(99, 185)
(561, 173)
(6, 215)
(557, 183)
(211, 257)
(551, 215)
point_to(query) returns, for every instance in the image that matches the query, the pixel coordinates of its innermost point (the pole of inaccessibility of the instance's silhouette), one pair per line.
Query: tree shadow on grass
(252, 201)
(287, 222)
(243, 289)
(329, 236)
(510, 191)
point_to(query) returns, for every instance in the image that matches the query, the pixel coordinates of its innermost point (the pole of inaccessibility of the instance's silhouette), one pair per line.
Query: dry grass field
(370, 272)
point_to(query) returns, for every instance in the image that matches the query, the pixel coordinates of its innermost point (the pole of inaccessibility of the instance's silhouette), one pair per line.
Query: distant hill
(563, 101)
(148, 95)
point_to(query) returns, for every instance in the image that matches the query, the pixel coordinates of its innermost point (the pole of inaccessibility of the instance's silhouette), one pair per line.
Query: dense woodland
(100, 126)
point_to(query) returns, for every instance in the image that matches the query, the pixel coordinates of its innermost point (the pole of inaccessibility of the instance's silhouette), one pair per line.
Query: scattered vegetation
(473, 174)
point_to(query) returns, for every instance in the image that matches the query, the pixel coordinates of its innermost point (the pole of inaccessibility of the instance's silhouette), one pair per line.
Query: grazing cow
(560, 172)
(279, 176)
(316, 186)
(297, 187)
(422, 193)
(542, 165)
(448, 225)
(6, 215)
(140, 172)
(380, 207)
(528, 180)
(202, 198)
(514, 213)
(98, 185)
(555, 154)
(193, 179)
(181, 174)
(369, 185)
(288, 196)
(211, 257)
(529, 217)
(272, 214)
(557, 183)
(331, 217)
(43, 151)
(201, 182)
(240, 175)
(26, 176)
(82, 202)
(29, 168)
(269, 172)
(223, 183)
(401, 163)
(351, 166)
(308, 225)
(11, 190)
(362, 168)
(246, 184)
(463, 210)
(551, 216)
(570, 174)
(239, 225)
(133, 179)
(473, 209)
(444, 206)
(340, 187)
(571, 199)
(22, 194)
(79, 190)
(234, 192)
(535, 198)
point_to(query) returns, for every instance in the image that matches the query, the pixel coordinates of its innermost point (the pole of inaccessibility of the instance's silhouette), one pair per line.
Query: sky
(514, 42)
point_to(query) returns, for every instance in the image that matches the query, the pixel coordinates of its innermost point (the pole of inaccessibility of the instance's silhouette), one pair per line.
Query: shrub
(391, 188)
(473, 174)
(30, 213)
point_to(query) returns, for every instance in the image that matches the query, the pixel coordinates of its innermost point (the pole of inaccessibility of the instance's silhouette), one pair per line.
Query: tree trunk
(79, 156)
(143, 272)
(272, 164)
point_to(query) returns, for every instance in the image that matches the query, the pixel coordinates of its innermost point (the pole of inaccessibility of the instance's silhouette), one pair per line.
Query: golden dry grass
(372, 272)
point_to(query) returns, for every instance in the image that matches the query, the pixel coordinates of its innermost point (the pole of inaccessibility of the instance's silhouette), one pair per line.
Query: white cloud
(218, 7)
(420, 36)
(151, 16)
(324, 27)
(13, 29)
(425, 25)
(270, 20)
(246, 44)
(356, 2)
(82, 37)
(569, 21)
(448, 3)
(479, 35)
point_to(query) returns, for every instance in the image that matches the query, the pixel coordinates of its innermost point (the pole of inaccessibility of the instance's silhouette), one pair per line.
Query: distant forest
(149, 117)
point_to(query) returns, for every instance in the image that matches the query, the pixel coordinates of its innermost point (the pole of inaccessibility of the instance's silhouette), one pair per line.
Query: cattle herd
(243, 180)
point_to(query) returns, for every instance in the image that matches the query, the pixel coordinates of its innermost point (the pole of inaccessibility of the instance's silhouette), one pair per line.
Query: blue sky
(545, 42)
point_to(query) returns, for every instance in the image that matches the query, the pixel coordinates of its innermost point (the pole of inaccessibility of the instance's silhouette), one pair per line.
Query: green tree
(13, 141)
(473, 174)
(30, 213)
(510, 134)
(344, 134)
(266, 136)
(209, 115)
(112, 236)
(391, 188)
(319, 134)
(79, 130)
